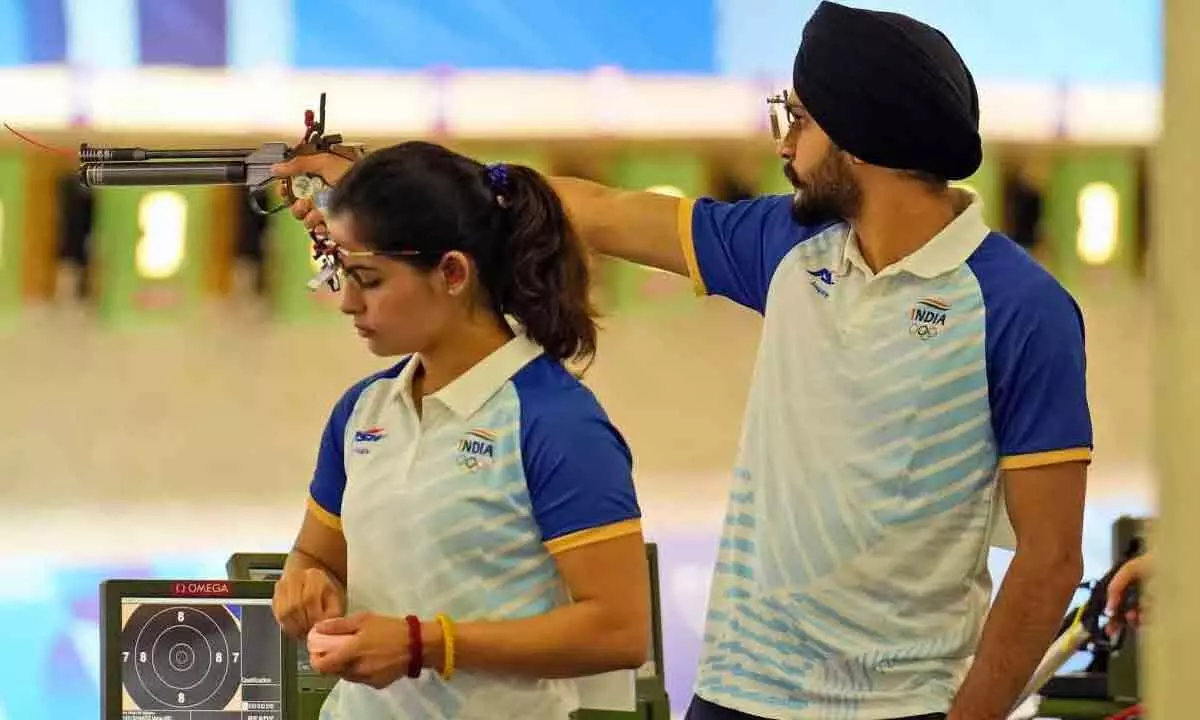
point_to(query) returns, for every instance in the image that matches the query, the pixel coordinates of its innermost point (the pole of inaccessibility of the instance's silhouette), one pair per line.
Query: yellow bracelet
(447, 646)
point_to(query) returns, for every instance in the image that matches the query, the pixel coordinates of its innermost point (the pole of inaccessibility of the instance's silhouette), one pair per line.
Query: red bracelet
(415, 659)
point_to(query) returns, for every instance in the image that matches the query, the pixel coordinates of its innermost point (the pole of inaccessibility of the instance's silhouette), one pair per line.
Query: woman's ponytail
(544, 281)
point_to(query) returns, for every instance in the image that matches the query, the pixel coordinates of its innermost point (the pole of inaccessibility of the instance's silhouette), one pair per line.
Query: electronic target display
(267, 566)
(193, 650)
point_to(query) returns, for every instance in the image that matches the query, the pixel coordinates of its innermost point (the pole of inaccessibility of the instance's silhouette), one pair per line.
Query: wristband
(447, 646)
(415, 649)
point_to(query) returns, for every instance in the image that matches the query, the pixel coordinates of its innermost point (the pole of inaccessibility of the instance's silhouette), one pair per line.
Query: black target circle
(181, 657)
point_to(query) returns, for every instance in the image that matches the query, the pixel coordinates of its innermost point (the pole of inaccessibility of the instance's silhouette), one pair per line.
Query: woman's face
(397, 307)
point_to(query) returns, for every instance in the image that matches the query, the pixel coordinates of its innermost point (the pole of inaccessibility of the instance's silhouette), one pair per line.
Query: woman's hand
(305, 597)
(372, 649)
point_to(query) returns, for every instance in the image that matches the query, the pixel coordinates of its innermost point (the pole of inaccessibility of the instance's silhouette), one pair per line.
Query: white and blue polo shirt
(460, 510)
(851, 579)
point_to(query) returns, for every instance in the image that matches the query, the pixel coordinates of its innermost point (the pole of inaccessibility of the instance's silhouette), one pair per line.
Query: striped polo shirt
(852, 578)
(460, 510)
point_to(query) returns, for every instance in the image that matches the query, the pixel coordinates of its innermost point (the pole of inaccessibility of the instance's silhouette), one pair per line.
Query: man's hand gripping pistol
(249, 167)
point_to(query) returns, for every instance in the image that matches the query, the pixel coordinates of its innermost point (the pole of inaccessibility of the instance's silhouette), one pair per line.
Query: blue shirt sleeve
(1037, 367)
(578, 468)
(329, 477)
(733, 249)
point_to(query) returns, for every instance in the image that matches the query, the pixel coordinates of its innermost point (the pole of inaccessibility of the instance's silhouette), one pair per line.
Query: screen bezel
(112, 592)
(240, 565)
(656, 639)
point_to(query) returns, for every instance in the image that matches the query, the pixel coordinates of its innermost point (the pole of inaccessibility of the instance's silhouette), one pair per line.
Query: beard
(827, 192)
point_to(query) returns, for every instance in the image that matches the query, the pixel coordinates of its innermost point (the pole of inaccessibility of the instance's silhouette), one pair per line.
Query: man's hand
(329, 167)
(1133, 573)
(376, 652)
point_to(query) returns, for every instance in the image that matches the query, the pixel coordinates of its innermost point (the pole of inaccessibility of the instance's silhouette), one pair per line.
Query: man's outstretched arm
(642, 227)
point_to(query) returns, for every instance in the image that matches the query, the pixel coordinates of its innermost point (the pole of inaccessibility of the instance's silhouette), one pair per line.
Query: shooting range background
(155, 420)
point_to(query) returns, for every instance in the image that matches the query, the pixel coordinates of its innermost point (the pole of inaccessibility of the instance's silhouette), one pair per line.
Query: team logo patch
(363, 439)
(825, 275)
(927, 319)
(821, 279)
(370, 435)
(476, 449)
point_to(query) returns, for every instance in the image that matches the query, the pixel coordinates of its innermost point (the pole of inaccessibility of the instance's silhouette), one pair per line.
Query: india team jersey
(459, 510)
(851, 579)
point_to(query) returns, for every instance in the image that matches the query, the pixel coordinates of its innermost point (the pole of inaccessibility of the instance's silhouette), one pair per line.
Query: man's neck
(894, 223)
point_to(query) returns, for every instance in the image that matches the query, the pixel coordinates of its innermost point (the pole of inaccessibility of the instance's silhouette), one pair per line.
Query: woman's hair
(418, 196)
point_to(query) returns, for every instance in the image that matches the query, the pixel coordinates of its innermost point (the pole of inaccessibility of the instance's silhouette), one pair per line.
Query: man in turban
(919, 384)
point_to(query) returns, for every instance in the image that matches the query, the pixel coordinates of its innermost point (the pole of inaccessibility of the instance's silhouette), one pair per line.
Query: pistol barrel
(102, 174)
(89, 154)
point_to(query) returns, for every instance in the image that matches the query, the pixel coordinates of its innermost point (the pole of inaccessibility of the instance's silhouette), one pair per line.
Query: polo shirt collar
(944, 252)
(467, 393)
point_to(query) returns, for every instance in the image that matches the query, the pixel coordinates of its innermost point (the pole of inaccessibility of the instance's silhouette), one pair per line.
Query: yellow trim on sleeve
(1040, 459)
(320, 513)
(683, 224)
(594, 535)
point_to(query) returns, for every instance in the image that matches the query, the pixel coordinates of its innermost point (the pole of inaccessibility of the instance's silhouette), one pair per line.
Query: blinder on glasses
(331, 258)
(780, 114)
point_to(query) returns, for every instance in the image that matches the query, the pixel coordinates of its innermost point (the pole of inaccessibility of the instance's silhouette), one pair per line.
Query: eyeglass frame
(331, 255)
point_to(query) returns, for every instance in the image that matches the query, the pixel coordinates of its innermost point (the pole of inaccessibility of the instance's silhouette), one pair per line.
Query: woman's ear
(455, 269)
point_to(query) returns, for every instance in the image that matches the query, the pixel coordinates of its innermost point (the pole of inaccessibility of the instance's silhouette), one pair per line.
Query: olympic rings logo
(923, 331)
(470, 463)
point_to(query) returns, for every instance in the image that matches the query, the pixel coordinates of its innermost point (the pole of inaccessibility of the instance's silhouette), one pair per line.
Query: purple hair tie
(497, 181)
(497, 177)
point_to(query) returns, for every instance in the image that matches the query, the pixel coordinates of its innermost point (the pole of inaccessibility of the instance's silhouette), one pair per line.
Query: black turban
(889, 90)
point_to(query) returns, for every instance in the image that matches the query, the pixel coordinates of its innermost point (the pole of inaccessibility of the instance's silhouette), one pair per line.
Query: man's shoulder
(815, 254)
(1008, 273)
(1022, 299)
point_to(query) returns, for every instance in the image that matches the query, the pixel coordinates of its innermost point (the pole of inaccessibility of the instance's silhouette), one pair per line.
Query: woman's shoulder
(545, 385)
(554, 401)
(350, 397)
